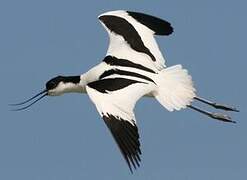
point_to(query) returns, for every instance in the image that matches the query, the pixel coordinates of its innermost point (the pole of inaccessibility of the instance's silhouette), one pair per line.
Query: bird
(133, 67)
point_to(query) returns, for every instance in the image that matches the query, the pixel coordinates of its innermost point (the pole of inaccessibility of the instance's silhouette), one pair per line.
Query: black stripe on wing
(112, 84)
(126, 73)
(159, 26)
(127, 138)
(122, 27)
(113, 61)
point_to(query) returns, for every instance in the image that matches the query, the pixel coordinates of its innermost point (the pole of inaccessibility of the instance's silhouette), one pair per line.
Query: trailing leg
(218, 116)
(216, 105)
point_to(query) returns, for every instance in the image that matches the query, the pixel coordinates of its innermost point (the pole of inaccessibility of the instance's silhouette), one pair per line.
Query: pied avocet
(132, 68)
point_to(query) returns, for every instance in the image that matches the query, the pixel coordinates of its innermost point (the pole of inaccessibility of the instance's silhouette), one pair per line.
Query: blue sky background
(65, 139)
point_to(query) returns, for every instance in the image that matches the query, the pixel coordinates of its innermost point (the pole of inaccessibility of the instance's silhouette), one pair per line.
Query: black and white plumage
(133, 67)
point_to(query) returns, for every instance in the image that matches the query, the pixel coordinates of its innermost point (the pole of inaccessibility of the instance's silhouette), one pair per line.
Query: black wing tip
(158, 25)
(127, 138)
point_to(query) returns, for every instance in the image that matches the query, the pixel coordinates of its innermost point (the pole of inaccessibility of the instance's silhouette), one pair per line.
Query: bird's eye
(51, 85)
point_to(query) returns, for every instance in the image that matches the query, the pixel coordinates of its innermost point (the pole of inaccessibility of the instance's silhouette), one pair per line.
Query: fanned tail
(175, 88)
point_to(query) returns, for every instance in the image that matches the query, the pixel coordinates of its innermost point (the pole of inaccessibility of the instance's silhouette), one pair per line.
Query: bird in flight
(132, 68)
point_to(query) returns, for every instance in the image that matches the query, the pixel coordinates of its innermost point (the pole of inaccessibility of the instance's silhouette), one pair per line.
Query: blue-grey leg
(218, 116)
(216, 105)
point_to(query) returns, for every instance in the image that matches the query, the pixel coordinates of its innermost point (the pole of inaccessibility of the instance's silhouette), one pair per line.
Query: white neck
(82, 84)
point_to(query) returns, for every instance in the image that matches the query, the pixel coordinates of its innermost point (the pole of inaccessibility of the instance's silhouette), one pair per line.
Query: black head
(53, 83)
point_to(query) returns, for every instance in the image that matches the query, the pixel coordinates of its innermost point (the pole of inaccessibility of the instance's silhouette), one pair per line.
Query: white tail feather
(175, 88)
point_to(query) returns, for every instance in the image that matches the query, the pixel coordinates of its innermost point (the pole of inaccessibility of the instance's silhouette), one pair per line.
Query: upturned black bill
(39, 96)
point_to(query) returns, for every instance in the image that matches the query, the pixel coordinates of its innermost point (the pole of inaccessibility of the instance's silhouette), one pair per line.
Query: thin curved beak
(39, 96)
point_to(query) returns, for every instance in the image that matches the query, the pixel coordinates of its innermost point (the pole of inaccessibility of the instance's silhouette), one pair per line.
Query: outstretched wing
(115, 99)
(132, 36)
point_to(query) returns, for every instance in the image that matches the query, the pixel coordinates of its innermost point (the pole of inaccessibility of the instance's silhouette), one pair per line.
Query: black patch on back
(112, 84)
(111, 60)
(159, 26)
(127, 73)
(127, 138)
(122, 27)
(51, 84)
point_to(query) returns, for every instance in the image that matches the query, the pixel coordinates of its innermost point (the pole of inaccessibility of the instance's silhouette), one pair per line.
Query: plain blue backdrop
(64, 138)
